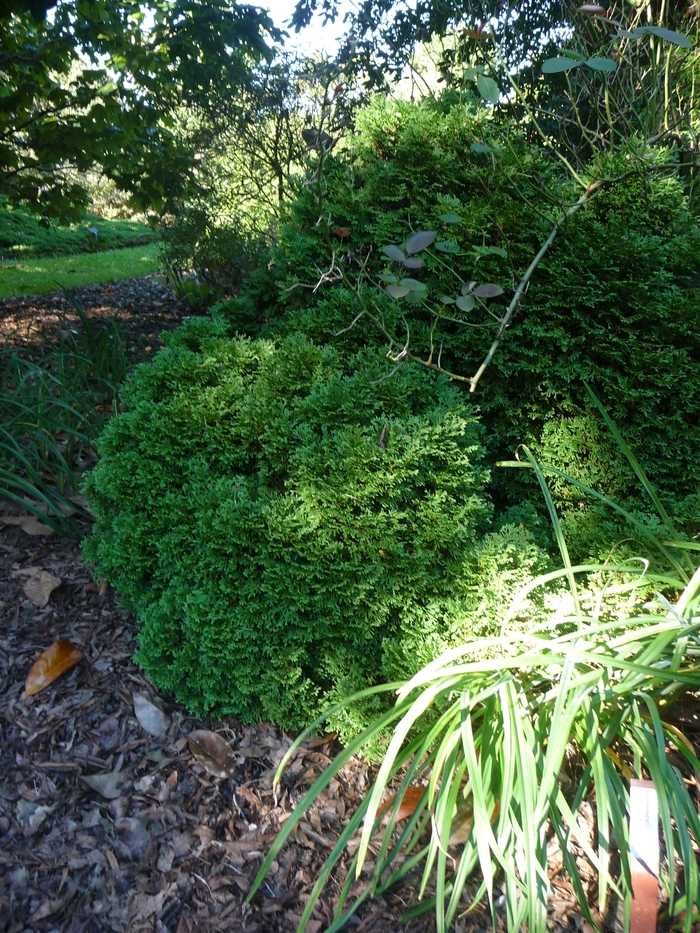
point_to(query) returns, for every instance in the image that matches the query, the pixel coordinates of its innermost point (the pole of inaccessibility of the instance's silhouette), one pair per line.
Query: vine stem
(590, 191)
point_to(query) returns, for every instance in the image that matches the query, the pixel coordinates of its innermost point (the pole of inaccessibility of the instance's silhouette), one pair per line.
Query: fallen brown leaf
(30, 524)
(40, 586)
(53, 662)
(106, 785)
(151, 718)
(48, 908)
(212, 751)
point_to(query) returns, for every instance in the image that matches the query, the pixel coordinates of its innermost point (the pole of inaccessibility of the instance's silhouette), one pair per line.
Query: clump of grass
(53, 404)
(505, 738)
(36, 276)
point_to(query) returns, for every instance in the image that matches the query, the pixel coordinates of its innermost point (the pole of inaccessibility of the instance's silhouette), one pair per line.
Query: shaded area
(163, 844)
(144, 308)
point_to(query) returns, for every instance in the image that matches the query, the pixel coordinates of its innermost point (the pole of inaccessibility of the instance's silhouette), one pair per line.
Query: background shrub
(615, 302)
(286, 528)
(22, 235)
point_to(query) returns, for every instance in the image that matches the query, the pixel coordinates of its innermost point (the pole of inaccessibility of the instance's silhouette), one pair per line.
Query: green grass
(36, 276)
(22, 236)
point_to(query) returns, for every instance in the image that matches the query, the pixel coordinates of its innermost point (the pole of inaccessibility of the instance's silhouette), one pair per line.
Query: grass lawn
(22, 237)
(36, 276)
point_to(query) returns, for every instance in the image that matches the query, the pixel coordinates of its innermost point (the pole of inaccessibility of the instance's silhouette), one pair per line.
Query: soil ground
(111, 819)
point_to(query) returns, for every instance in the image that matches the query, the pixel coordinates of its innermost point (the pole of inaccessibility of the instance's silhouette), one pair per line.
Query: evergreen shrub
(286, 528)
(615, 303)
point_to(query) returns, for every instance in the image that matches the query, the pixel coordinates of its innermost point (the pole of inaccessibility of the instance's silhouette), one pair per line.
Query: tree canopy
(97, 83)
(382, 34)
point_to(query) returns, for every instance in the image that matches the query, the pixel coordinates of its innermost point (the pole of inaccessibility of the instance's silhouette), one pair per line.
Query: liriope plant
(497, 744)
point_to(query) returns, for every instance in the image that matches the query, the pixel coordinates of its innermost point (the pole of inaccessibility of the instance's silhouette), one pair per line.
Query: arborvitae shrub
(284, 526)
(615, 303)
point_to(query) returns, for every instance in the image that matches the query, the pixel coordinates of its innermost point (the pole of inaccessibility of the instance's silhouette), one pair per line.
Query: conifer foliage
(277, 522)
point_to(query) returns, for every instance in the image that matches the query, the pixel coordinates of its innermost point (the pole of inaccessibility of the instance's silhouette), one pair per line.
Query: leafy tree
(382, 34)
(93, 85)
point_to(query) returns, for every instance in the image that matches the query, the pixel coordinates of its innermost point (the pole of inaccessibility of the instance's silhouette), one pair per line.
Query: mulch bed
(105, 826)
(144, 308)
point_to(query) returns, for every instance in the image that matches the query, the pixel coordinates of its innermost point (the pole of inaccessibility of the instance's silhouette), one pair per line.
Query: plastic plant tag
(644, 851)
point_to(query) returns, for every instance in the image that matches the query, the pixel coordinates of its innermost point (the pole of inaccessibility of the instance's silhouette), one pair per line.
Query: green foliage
(219, 248)
(507, 737)
(614, 302)
(93, 86)
(382, 35)
(286, 528)
(53, 403)
(23, 237)
(250, 147)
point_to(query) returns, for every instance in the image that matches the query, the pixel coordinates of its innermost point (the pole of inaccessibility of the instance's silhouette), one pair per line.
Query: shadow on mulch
(154, 841)
(143, 308)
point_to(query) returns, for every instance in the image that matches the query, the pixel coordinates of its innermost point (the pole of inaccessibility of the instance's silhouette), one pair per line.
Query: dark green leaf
(601, 64)
(465, 302)
(413, 284)
(447, 246)
(669, 35)
(398, 291)
(570, 53)
(555, 65)
(394, 252)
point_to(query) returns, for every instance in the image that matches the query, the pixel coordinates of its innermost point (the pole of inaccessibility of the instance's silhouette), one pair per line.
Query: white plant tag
(644, 850)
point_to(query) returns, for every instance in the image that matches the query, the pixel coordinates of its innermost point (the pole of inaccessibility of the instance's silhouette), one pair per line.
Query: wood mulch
(106, 826)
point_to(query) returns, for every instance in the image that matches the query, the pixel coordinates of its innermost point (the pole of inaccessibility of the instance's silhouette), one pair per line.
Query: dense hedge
(287, 530)
(289, 526)
(615, 303)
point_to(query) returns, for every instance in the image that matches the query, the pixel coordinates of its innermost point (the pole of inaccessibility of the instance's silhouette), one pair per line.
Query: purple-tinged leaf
(413, 262)
(420, 241)
(393, 252)
(465, 303)
(488, 290)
